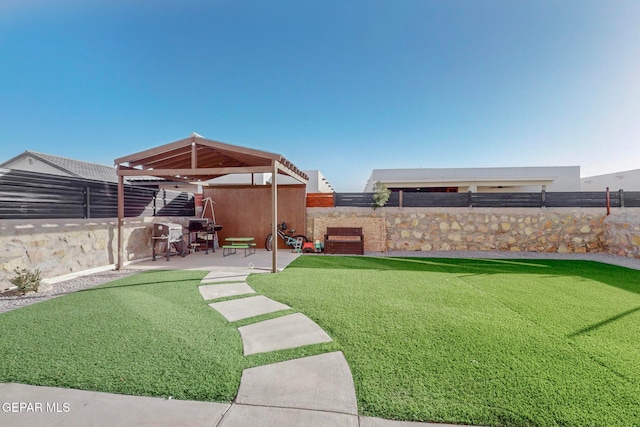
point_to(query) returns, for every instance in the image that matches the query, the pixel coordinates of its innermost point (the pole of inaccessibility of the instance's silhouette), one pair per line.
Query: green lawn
(488, 342)
(150, 334)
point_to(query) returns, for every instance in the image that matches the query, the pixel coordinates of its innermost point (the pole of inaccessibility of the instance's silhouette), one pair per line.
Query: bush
(26, 280)
(380, 196)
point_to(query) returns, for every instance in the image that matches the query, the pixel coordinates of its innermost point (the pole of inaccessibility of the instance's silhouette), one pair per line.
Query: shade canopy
(197, 159)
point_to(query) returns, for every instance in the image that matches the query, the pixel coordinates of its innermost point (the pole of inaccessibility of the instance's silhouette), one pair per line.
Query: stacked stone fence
(562, 230)
(59, 247)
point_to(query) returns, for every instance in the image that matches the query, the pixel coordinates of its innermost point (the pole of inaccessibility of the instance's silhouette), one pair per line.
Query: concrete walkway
(310, 391)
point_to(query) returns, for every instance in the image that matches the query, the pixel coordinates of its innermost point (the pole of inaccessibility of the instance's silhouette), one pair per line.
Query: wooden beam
(291, 173)
(120, 219)
(194, 156)
(274, 217)
(153, 151)
(142, 155)
(193, 172)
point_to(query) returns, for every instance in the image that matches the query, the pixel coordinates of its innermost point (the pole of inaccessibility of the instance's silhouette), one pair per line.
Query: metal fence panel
(586, 199)
(31, 195)
(433, 200)
(495, 200)
(632, 199)
(506, 200)
(363, 200)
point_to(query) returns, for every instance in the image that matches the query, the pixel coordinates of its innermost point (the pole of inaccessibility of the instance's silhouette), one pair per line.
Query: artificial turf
(149, 334)
(485, 342)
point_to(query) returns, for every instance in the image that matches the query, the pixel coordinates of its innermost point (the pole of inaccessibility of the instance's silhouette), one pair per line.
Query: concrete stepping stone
(322, 383)
(294, 330)
(89, 408)
(244, 308)
(242, 416)
(224, 290)
(224, 277)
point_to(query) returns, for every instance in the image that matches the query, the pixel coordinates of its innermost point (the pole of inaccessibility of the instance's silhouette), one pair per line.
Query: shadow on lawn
(612, 275)
(143, 279)
(603, 323)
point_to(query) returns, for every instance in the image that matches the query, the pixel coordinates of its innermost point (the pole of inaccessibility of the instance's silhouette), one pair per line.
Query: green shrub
(26, 280)
(380, 196)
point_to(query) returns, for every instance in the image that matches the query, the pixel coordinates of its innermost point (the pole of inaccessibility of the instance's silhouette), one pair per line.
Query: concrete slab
(224, 290)
(66, 407)
(294, 330)
(260, 261)
(379, 422)
(242, 416)
(322, 383)
(244, 308)
(225, 276)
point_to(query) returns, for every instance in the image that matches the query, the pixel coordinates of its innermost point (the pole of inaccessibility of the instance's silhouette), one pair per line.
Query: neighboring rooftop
(56, 165)
(625, 180)
(552, 178)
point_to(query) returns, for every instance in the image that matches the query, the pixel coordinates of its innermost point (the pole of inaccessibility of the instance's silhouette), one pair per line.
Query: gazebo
(196, 160)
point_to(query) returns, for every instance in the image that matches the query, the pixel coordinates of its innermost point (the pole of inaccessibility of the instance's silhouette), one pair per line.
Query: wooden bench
(344, 240)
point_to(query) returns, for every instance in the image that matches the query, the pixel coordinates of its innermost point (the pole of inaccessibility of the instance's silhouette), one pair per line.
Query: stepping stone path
(225, 290)
(316, 390)
(243, 308)
(294, 330)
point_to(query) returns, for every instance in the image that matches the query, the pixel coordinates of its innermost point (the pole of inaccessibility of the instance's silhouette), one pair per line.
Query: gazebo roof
(195, 159)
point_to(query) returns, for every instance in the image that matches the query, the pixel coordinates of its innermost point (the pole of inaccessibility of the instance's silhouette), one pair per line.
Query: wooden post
(608, 203)
(274, 217)
(194, 154)
(120, 219)
(400, 198)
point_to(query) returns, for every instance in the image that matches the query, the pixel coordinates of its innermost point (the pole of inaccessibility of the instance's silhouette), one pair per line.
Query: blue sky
(344, 86)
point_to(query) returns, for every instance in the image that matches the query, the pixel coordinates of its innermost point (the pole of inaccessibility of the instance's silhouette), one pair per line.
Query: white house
(317, 182)
(478, 180)
(625, 180)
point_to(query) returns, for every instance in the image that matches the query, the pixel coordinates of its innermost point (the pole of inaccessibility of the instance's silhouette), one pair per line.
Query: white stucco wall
(317, 182)
(625, 180)
(34, 165)
(242, 178)
(509, 179)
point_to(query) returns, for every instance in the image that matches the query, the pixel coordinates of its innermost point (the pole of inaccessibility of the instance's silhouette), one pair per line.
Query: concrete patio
(258, 262)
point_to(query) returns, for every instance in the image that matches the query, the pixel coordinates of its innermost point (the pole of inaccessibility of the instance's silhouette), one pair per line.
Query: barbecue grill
(202, 226)
(172, 235)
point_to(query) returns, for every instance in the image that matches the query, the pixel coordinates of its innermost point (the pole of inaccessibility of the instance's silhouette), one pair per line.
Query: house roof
(437, 177)
(196, 159)
(76, 168)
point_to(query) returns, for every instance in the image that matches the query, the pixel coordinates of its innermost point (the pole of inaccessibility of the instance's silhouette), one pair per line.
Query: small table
(233, 243)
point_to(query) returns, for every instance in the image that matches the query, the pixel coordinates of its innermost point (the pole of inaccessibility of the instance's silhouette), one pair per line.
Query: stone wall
(622, 233)
(60, 247)
(563, 230)
(373, 228)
